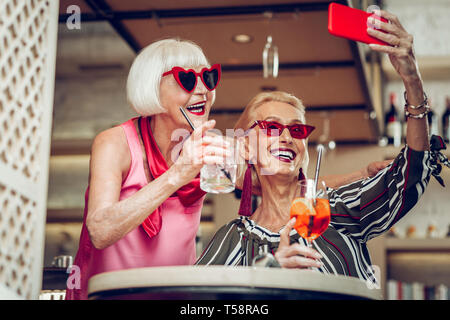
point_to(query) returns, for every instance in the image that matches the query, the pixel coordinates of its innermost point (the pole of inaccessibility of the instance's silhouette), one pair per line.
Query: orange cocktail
(311, 221)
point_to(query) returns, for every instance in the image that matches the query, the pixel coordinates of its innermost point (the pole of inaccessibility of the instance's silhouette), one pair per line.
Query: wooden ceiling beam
(107, 13)
(308, 109)
(290, 65)
(102, 9)
(363, 76)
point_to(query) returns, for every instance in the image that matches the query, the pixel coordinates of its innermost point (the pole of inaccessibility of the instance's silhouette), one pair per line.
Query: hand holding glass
(220, 178)
(217, 178)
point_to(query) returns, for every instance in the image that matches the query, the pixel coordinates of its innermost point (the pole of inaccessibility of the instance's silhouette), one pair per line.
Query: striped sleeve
(369, 207)
(222, 246)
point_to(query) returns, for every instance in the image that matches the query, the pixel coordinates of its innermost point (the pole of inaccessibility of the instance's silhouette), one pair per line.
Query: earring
(245, 207)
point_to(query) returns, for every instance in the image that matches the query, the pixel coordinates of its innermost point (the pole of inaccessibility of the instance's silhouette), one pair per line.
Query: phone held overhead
(352, 24)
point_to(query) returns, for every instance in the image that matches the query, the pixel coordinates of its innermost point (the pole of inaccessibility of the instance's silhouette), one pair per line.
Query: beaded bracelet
(417, 116)
(423, 104)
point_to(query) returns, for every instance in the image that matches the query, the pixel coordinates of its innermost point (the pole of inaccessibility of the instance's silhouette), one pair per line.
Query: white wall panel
(28, 33)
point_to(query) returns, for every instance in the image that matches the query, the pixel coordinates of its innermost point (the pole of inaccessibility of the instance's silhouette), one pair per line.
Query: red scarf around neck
(188, 194)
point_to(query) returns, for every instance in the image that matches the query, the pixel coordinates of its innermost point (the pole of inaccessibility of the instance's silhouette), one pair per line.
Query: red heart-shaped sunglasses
(187, 79)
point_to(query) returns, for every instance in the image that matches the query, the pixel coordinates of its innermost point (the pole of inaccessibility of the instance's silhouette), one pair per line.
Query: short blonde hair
(248, 117)
(144, 78)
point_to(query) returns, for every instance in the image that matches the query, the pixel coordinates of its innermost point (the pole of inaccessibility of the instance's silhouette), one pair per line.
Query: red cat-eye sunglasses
(273, 128)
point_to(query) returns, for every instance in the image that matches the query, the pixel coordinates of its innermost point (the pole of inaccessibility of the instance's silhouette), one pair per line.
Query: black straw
(187, 118)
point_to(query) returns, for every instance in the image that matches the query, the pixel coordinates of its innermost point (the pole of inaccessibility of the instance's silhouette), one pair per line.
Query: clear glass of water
(220, 178)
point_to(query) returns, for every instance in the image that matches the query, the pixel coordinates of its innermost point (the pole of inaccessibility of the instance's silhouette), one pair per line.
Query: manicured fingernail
(317, 255)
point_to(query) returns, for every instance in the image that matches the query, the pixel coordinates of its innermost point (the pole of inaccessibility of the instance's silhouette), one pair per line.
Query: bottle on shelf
(446, 122)
(432, 213)
(393, 126)
(433, 123)
(432, 231)
(411, 232)
(393, 232)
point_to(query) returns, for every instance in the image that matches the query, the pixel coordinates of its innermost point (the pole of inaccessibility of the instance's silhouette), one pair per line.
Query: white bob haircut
(145, 74)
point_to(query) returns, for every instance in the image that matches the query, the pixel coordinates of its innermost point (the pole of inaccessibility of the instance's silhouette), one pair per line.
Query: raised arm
(370, 207)
(401, 55)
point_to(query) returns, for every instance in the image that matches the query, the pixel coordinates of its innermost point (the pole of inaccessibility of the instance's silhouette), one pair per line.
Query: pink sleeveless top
(173, 245)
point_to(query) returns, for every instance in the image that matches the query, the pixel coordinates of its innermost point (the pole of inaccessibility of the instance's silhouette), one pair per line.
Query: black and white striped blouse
(359, 211)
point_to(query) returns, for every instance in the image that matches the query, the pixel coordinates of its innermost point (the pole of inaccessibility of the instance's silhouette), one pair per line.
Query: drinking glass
(312, 210)
(220, 178)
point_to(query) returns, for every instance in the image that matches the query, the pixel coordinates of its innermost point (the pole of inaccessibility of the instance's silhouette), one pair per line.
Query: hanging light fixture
(324, 138)
(270, 59)
(242, 38)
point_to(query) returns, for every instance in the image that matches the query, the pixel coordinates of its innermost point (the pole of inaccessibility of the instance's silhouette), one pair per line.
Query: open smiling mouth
(198, 109)
(285, 155)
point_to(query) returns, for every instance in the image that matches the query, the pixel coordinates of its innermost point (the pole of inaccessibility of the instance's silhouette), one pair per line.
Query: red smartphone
(351, 23)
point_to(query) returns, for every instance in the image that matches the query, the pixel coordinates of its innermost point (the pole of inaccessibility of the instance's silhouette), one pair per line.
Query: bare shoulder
(110, 147)
(110, 138)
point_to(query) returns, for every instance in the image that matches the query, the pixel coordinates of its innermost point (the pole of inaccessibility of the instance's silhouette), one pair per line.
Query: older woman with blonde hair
(273, 163)
(360, 210)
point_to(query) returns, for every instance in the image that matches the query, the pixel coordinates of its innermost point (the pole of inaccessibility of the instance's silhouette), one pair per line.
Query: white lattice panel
(27, 59)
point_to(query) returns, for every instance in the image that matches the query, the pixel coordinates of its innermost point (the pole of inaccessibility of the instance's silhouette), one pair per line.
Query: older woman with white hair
(143, 202)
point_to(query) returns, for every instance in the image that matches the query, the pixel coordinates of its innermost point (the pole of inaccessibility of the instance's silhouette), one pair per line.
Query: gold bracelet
(417, 116)
(423, 104)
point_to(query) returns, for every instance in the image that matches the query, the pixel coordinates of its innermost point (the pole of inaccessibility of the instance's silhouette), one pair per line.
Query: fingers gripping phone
(350, 23)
